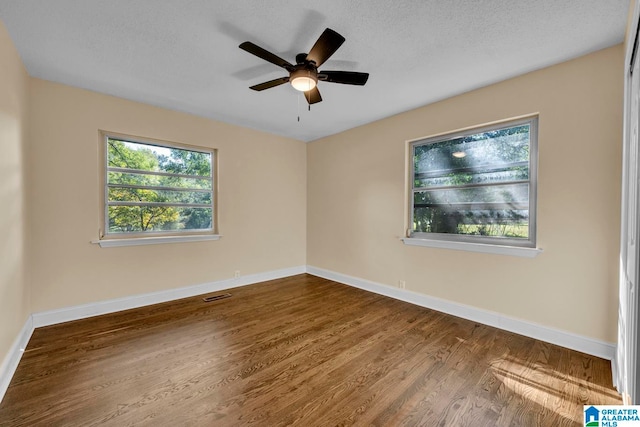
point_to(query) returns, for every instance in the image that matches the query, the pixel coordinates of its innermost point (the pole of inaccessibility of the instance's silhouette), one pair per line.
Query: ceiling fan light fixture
(303, 80)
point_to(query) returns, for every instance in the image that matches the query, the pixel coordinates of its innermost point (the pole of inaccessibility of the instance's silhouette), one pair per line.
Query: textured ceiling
(184, 55)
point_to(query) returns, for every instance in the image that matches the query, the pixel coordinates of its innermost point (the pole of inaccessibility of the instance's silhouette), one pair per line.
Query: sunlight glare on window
(478, 185)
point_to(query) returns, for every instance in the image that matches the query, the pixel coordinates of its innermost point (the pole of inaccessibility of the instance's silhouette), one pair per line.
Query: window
(476, 186)
(154, 189)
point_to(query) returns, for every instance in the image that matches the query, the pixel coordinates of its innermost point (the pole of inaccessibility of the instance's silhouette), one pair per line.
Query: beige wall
(13, 125)
(357, 214)
(262, 201)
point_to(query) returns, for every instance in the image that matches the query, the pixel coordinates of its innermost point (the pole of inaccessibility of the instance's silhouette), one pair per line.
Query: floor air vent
(216, 297)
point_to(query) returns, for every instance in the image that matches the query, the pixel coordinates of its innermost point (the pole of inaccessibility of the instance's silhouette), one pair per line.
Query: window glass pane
(158, 181)
(503, 173)
(139, 219)
(509, 223)
(511, 196)
(120, 194)
(147, 157)
(495, 156)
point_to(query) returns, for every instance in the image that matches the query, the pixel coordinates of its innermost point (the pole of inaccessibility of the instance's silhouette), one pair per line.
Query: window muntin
(477, 186)
(155, 188)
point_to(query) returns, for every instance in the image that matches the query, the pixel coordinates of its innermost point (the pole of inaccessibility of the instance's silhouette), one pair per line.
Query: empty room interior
(412, 213)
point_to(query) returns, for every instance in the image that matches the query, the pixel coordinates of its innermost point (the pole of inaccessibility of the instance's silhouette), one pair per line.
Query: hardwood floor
(297, 351)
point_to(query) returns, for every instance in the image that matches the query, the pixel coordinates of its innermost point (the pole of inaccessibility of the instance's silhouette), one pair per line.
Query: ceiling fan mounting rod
(301, 58)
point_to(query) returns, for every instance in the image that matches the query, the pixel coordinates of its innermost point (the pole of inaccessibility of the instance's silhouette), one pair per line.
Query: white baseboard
(614, 375)
(68, 314)
(559, 337)
(11, 360)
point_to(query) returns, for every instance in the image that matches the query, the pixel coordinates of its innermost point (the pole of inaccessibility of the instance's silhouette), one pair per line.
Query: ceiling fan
(304, 76)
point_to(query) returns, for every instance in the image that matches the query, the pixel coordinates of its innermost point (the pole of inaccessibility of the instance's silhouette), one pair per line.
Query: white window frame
(475, 243)
(107, 239)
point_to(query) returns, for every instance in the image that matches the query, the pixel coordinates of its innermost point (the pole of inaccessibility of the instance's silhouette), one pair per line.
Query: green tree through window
(153, 188)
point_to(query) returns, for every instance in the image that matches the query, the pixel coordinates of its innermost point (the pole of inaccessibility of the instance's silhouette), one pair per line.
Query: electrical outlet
(402, 284)
(236, 274)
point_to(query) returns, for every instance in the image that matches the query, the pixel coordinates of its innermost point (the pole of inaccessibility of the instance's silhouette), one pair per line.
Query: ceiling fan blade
(326, 46)
(270, 84)
(266, 55)
(313, 96)
(344, 77)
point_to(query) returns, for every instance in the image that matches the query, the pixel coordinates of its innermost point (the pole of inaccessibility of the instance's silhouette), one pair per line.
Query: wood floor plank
(297, 351)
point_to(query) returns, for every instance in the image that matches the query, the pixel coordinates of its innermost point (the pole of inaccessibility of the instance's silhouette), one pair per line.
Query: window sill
(475, 247)
(110, 243)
